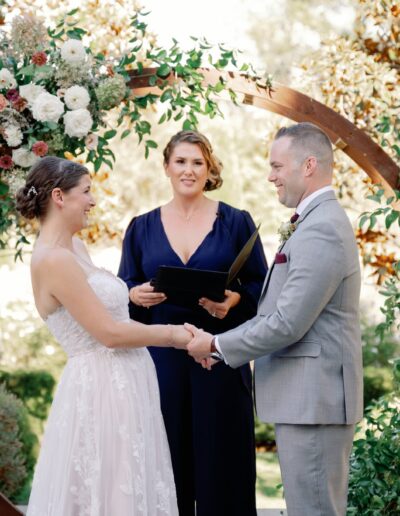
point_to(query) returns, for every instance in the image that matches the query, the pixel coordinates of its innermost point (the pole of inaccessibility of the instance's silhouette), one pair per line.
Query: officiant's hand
(144, 295)
(200, 346)
(220, 310)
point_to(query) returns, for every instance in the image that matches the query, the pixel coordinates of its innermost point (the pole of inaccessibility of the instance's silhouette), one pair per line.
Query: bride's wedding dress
(105, 451)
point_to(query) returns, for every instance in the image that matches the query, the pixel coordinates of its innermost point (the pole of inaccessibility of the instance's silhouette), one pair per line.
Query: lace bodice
(74, 339)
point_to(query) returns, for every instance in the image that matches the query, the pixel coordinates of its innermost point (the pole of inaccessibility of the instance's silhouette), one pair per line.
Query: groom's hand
(200, 345)
(207, 363)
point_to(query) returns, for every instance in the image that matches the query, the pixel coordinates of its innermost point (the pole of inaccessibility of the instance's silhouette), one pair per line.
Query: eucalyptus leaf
(164, 70)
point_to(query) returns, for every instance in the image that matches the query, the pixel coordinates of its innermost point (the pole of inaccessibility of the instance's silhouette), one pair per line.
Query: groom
(305, 338)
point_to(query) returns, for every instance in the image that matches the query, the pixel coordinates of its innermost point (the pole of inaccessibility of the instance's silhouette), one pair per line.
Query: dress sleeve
(130, 267)
(251, 277)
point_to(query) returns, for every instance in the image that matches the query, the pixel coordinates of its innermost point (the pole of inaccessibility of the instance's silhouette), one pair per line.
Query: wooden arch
(300, 108)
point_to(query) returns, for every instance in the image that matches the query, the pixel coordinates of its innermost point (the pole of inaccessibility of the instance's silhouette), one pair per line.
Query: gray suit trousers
(314, 462)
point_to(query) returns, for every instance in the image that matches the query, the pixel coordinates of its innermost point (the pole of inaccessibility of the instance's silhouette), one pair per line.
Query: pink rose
(6, 162)
(39, 58)
(40, 148)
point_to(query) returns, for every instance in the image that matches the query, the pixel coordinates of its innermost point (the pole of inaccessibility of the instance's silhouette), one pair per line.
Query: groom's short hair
(308, 140)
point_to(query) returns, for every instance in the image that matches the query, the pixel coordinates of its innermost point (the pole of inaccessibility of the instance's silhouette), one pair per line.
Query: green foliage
(378, 352)
(17, 444)
(374, 484)
(391, 287)
(377, 382)
(391, 216)
(33, 391)
(33, 388)
(185, 97)
(264, 433)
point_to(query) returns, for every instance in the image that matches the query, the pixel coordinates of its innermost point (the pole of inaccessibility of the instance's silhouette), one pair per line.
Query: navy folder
(184, 286)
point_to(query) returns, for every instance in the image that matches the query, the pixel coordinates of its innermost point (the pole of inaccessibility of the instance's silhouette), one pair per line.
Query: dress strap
(87, 266)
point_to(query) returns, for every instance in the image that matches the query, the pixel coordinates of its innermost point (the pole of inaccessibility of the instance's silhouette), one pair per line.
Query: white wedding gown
(105, 450)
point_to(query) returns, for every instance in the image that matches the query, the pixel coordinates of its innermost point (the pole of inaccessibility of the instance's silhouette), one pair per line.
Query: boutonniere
(286, 230)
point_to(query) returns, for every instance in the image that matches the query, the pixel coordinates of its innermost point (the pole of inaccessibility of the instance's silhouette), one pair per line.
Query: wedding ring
(214, 314)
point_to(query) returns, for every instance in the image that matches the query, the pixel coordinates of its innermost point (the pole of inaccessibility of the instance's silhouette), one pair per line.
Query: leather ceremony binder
(184, 286)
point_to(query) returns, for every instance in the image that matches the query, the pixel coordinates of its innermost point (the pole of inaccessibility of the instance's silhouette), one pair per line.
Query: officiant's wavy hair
(214, 165)
(308, 139)
(32, 200)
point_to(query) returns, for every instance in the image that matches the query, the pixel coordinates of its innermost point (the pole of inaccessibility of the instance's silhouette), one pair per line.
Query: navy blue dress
(208, 414)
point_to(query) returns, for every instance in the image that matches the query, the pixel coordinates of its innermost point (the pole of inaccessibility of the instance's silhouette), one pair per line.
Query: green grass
(269, 496)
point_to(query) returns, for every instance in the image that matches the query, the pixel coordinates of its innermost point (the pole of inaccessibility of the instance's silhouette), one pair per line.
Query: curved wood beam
(298, 107)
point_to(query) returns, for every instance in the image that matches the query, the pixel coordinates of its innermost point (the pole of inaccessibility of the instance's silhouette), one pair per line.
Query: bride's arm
(63, 279)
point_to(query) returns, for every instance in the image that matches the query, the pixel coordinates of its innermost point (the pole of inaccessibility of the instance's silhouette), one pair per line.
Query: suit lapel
(327, 196)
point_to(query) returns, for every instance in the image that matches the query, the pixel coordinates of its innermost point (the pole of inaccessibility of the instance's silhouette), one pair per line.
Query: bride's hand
(144, 295)
(180, 336)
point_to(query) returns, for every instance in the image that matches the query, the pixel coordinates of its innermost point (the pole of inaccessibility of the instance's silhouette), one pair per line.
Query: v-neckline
(185, 264)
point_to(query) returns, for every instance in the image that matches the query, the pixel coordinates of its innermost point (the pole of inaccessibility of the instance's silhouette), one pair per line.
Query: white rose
(31, 91)
(76, 97)
(7, 79)
(78, 123)
(13, 135)
(73, 52)
(23, 157)
(47, 108)
(91, 141)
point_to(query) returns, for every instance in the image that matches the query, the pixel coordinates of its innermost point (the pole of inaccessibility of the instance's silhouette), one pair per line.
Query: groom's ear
(310, 166)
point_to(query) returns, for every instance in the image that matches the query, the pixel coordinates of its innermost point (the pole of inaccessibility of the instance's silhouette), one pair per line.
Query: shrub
(264, 434)
(16, 445)
(34, 391)
(374, 484)
(378, 351)
(377, 382)
(34, 388)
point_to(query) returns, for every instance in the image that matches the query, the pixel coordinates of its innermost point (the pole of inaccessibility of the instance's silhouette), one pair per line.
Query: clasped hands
(196, 342)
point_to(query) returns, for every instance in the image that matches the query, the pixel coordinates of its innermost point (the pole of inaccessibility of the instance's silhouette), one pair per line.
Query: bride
(104, 451)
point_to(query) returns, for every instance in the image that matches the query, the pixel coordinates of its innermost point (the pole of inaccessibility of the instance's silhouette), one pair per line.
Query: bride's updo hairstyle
(32, 200)
(214, 165)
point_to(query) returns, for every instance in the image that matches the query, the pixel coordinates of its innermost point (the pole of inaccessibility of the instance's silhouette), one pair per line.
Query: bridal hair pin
(32, 191)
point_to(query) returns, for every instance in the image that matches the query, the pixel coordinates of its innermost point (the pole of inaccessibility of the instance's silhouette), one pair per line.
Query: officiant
(208, 414)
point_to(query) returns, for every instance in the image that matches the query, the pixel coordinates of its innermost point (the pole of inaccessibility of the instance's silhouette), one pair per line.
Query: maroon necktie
(294, 217)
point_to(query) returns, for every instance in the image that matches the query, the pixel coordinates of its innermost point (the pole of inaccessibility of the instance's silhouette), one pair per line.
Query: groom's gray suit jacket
(305, 338)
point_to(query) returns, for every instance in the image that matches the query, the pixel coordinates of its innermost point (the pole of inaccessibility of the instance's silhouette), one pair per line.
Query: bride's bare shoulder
(46, 259)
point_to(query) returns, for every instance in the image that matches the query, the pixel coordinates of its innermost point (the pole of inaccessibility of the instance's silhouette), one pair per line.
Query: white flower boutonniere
(286, 229)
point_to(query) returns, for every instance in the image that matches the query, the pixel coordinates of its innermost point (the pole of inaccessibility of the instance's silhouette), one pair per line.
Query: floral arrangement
(55, 94)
